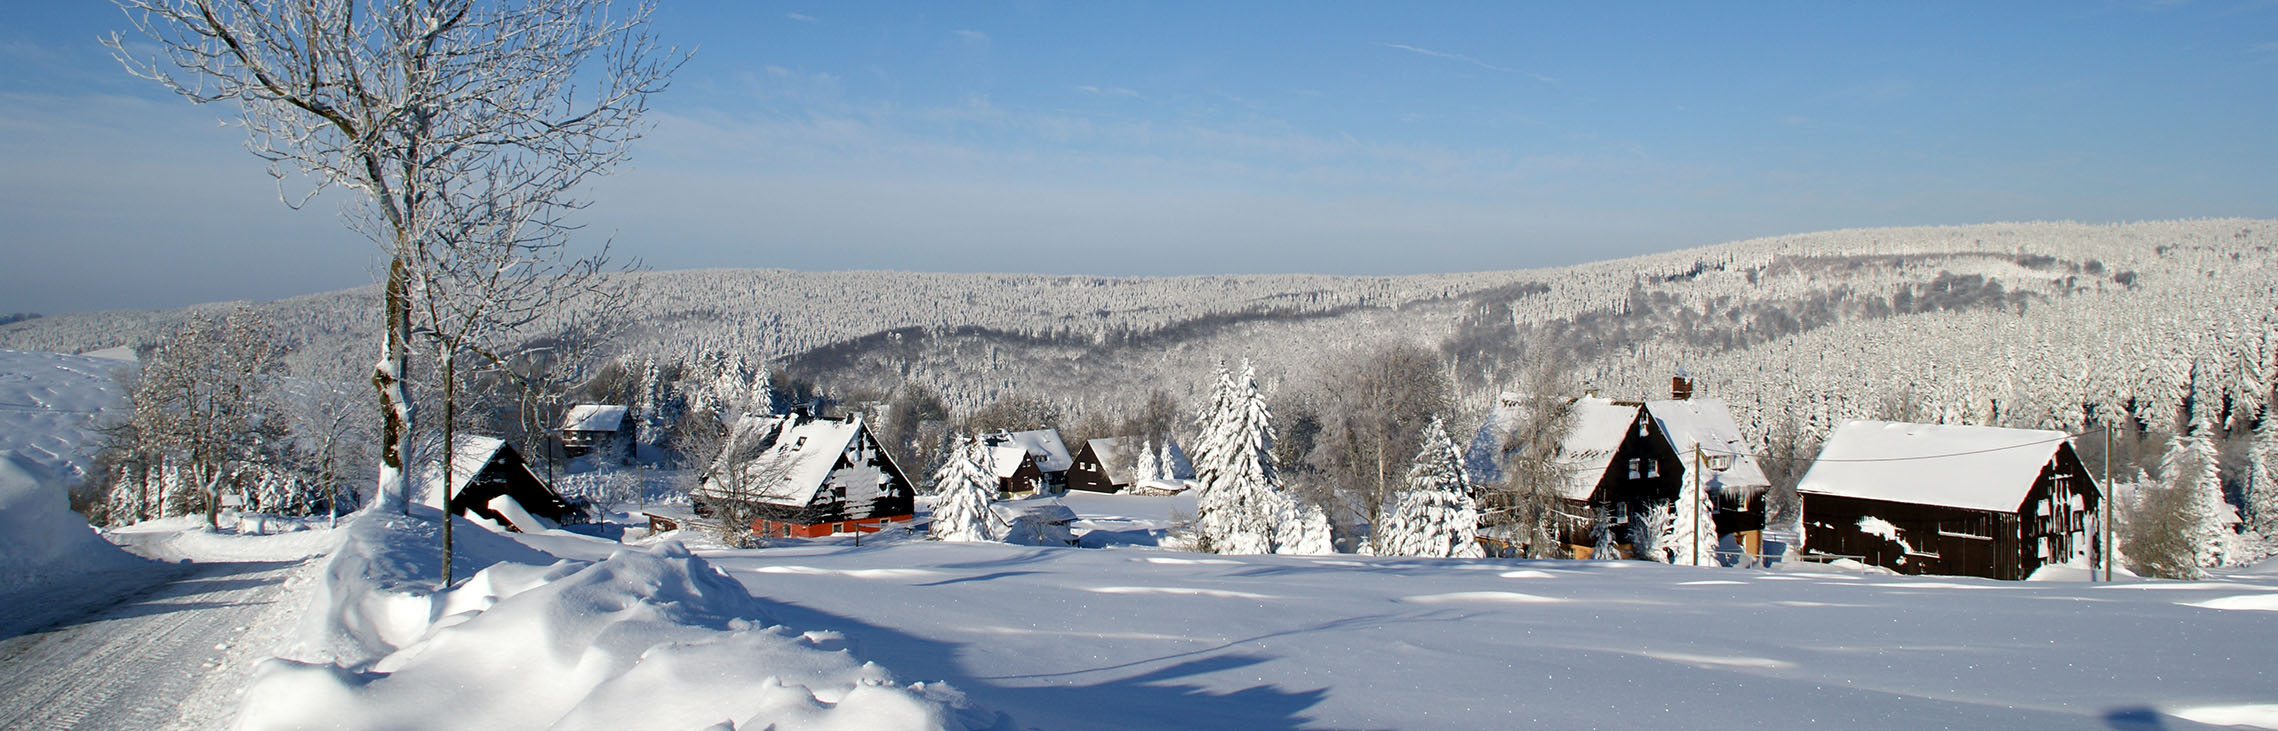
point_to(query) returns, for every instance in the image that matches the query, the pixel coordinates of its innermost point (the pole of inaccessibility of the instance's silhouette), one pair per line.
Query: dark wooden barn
(803, 476)
(489, 480)
(1016, 470)
(1106, 465)
(1953, 500)
(597, 428)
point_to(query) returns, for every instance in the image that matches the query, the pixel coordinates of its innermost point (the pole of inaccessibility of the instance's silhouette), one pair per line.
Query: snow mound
(642, 639)
(40, 538)
(2249, 602)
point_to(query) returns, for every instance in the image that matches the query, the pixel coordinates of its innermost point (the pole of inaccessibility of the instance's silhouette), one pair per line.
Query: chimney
(1681, 387)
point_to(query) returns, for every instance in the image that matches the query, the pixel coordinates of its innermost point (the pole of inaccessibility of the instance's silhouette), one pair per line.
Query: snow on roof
(783, 460)
(1708, 423)
(1118, 457)
(1600, 425)
(1049, 513)
(1051, 453)
(594, 417)
(469, 454)
(1004, 460)
(1969, 467)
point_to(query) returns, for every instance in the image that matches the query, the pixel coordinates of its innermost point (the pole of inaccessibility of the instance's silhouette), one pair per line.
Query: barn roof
(1708, 423)
(781, 460)
(469, 454)
(594, 417)
(1969, 467)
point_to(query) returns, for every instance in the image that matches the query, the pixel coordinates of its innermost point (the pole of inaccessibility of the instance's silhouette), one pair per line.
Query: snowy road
(163, 655)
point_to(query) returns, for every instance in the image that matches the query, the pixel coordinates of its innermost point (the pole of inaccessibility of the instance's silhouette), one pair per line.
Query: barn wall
(1938, 540)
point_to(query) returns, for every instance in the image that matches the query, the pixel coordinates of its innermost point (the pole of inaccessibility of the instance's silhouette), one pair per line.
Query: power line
(1910, 458)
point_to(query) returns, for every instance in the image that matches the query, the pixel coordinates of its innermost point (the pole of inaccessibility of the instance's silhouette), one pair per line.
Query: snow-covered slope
(49, 409)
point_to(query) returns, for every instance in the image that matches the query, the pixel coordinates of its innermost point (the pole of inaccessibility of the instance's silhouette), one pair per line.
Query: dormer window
(801, 443)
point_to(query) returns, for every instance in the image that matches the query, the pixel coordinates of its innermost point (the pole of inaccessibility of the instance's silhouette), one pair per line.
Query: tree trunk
(450, 453)
(389, 377)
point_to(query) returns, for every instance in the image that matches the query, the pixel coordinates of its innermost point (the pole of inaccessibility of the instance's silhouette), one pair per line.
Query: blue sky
(1202, 138)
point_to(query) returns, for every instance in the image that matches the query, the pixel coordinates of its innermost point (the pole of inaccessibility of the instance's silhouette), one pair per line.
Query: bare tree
(198, 405)
(1527, 511)
(452, 121)
(1372, 414)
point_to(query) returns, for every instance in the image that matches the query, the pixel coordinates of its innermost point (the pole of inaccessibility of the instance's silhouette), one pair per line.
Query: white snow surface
(619, 638)
(1971, 467)
(50, 407)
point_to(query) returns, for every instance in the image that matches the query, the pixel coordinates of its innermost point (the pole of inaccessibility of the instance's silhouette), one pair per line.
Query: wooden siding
(1959, 541)
(1089, 474)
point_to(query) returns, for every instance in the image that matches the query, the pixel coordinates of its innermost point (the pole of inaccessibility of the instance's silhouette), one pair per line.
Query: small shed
(590, 428)
(1117, 464)
(1948, 499)
(1036, 522)
(489, 480)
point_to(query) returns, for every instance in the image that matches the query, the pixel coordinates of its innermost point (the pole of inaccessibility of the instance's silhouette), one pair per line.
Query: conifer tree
(1239, 505)
(1302, 529)
(962, 489)
(2191, 470)
(2262, 481)
(1434, 514)
(1691, 537)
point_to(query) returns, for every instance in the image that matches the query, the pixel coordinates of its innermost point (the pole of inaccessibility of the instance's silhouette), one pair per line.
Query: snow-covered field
(1133, 637)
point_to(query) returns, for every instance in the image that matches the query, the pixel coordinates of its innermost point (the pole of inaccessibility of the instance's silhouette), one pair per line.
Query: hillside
(2040, 324)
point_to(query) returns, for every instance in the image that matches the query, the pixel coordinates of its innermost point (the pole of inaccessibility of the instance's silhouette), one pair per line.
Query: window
(1635, 464)
(1653, 468)
(801, 443)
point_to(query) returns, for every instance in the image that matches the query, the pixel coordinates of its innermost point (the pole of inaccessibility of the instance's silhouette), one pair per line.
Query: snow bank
(40, 538)
(642, 639)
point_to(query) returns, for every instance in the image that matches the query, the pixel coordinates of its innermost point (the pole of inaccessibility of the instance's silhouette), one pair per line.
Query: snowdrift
(641, 639)
(40, 538)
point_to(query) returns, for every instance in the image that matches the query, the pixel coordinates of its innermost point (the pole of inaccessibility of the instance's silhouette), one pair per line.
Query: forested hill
(2049, 324)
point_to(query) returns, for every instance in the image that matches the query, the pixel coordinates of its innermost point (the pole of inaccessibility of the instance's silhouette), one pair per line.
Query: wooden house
(1045, 448)
(1016, 471)
(1113, 464)
(590, 428)
(1945, 499)
(805, 477)
(490, 481)
(1623, 457)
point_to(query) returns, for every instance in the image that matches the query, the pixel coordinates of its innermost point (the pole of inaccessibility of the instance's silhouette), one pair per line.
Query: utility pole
(1696, 506)
(2107, 521)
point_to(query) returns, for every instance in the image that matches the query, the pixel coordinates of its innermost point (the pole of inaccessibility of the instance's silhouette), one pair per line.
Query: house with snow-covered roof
(1949, 499)
(802, 476)
(1045, 448)
(589, 428)
(1626, 456)
(1117, 464)
(1015, 469)
(490, 481)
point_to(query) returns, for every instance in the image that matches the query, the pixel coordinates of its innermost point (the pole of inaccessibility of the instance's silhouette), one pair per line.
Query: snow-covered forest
(2030, 324)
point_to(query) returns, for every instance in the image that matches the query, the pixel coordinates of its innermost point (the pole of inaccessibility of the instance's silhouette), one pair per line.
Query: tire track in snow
(135, 663)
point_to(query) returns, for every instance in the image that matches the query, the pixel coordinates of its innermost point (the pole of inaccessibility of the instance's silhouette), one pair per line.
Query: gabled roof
(469, 454)
(1969, 467)
(1708, 423)
(1051, 454)
(780, 460)
(1004, 460)
(594, 417)
(1118, 457)
(1600, 425)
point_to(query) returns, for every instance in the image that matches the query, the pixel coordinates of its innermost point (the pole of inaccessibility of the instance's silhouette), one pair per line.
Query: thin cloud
(801, 17)
(1114, 91)
(1460, 58)
(971, 36)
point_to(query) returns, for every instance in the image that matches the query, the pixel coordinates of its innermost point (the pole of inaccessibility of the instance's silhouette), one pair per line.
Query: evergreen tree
(1646, 530)
(962, 489)
(2262, 481)
(1240, 501)
(1691, 537)
(1434, 514)
(1150, 466)
(1606, 545)
(2192, 471)
(1302, 529)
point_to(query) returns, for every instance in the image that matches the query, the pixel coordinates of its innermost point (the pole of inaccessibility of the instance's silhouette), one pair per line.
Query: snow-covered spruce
(1691, 537)
(1241, 501)
(1434, 515)
(962, 492)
